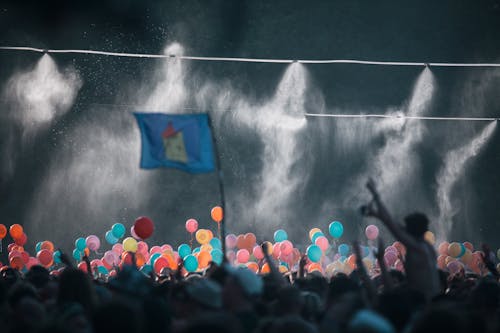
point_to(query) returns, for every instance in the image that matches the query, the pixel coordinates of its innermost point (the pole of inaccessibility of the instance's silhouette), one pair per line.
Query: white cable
(259, 60)
(399, 117)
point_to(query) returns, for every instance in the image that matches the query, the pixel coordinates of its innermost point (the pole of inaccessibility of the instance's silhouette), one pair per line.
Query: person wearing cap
(420, 262)
(241, 289)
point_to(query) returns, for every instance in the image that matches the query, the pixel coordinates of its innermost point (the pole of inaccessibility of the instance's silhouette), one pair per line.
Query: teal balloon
(314, 253)
(196, 250)
(102, 270)
(153, 258)
(462, 250)
(343, 249)
(80, 244)
(118, 230)
(38, 246)
(56, 256)
(184, 250)
(110, 237)
(190, 263)
(217, 256)
(280, 235)
(146, 269)
(216, 243)
(77, 254)
(316, 235)
(342, 259)
(336, 229)
(282, 263)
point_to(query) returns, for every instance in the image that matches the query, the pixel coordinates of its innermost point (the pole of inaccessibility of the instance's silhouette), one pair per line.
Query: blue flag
(176, 141)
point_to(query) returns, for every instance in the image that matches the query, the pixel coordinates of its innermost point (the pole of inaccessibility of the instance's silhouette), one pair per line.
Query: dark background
(423, 31)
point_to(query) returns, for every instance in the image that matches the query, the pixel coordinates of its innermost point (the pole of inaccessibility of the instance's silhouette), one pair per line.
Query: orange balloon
(16, 231)
(250, 240)
(3, 231)
(313, 231)
(17, 263)
(86, 251)
(172, 264)
(204, 259)
(47, 245)
(314, 267)
(240, 242)
(265, 269)
(352, 261)
(217, 214)
(139, 259)
(253, 266)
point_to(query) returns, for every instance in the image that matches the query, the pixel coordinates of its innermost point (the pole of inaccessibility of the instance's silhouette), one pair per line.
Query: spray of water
(453, 168)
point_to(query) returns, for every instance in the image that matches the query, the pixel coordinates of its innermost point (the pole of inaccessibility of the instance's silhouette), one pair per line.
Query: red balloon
(144, 227)
(44, 257)
(21, 240)
(83, 266)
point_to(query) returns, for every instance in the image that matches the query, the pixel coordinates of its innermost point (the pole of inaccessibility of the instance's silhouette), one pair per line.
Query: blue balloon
(102, 270)
(216, 243)
(77, 254)
(196, 250)
(153, 257)
(336, 229)
(110, 237)
(316, 235)
(343, 249)
(57, 257)
(80, 244)
(280, 235)
(366, 251)
(190, 263)
(217, 256)
(314, 253)
(118, 230)
(184, 250)
(38, 246)
(342, 259)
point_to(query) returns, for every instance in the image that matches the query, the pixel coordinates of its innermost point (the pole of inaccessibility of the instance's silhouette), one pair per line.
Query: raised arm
(383, 215)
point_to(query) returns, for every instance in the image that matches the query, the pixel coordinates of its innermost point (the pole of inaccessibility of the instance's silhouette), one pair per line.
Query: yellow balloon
(467, 257)
(203, 236)
(429, 237)
(206, 247)
(449, 259)
(313, 231)
(454, 249)
(129, 244)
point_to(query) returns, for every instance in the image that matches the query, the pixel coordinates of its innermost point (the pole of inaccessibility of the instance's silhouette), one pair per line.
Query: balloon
(118, 249)
(144, 227)
(190, 263)
(166, 247)
(242, 256)
(336, 229)
(191, 225)
(203, 236)
(253, 266)
(217, 256)
(17, 263)
(265, 269)
(80, 244)
(257, 252)
(77, 254)
(118, 230)
(31, 262)
(196, 250)
(454, 249)
(454, 266)
(204, 259)
(401, 248)
(215, 243)
(390, 258)
(371, 232)
(286, 247)
(22, 240)
(368, 263)
(467, 257)
(184, 250)
(102, 270)
(322, 242)
(443, 248)
(109, 257)
(15, 231)
(96, 262)
(155, 249)
(146, 269)
(249, 240)
(313, 231)
(140, 260)
(160, 264)
(47, 245)
(93, 242)
(441, 261)
(240, 242)
(231, 240)
(38, 246)
(129, 244)
(133, 234)
(314, 253)
(276, 250)
(280, 235)
(110, 237)
(217, 214)
(469, 246)
(3, 231)
(206, 247)
(343, 249)
(56, 256)
(429, 237)
(44, 257)
(316, 235)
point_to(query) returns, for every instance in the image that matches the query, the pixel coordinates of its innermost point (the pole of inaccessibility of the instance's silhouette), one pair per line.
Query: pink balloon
(118, 249)
(142, 247)
(286, 257)
(166, 247)
(391, 248)
(155, 249)
(95, 263)
(93, 242)
(286, 247)
(191, 225)
(230, 255)
(133, 234)
(322, 242)
(109, 257)
(231, 241)
(371, 232)
(32, 261)
(242, 256)
(276, 250)
(390, 258)
(257, 252)
(399, 265)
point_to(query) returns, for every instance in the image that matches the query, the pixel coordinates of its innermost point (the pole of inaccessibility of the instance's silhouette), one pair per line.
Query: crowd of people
(223, 297)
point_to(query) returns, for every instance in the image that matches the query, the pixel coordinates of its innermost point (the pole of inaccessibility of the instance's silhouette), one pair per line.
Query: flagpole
(222, 223)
